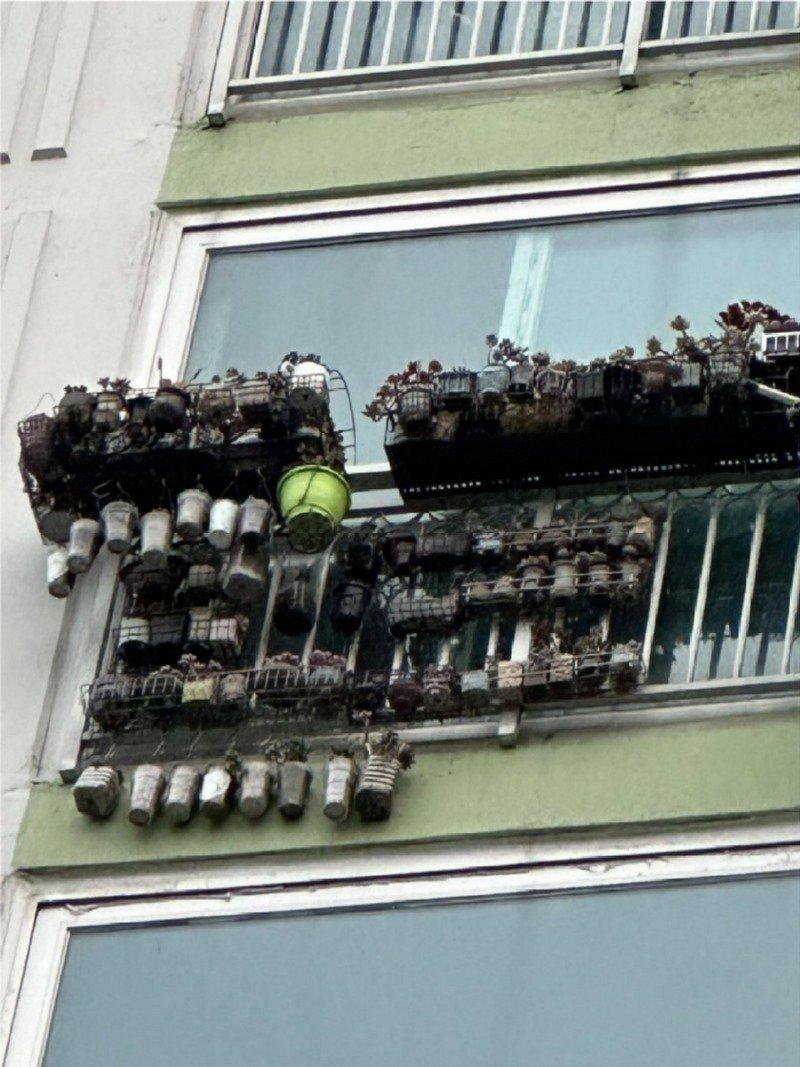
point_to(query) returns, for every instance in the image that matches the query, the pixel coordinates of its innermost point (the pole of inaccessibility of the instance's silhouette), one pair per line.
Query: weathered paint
(725, 768)
(487, 136)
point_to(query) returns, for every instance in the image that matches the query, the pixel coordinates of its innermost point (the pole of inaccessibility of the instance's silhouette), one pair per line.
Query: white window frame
(176, 274)
(44, 913)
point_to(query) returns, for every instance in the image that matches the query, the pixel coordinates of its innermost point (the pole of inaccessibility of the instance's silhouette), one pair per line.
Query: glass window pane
(767, 629)
(670, 658)
(709, 978)
(720, 632)
(578, 289)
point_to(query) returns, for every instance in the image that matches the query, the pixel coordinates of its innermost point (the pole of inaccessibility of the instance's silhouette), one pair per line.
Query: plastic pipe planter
(524, 421)
(191, 460)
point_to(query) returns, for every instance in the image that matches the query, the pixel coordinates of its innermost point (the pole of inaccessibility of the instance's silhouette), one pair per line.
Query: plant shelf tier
(603, 449)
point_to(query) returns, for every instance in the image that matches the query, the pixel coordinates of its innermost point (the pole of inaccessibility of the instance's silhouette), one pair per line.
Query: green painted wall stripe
(724, 768)
(487, 136)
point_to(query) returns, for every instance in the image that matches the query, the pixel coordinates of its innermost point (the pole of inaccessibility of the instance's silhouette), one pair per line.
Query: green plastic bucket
(313, 501)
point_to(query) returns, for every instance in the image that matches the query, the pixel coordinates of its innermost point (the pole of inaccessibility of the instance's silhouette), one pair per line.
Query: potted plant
(222, 522)
(214, 401)
(75, 409)
(308, 381)
(107, 414)
(156, 538)
(96, 792)
(565, 576)
(454, 388)
(192, 513)
(180, 798)
(201, 684)
(508, 685)
(232, 694)
(590, 391)
(254, 786)
(440, 689)
(488, 545)
(146, 789)
(625, 665)
(405, 696)
(217, 788)
(119, 519)
(313, 501)
(399, 548)
(630, 571)
(360, 558)
(534, 579)
(387, 755)
(406, 399)
(84, 542)
(295, 779)
(225, 636)
(254, 522)
(536, 672)
(598, 578)
(350, 600)
(169, 406)
(133, 640)
(340, 777)
(60, 578)
(162, 688)
(642, 535)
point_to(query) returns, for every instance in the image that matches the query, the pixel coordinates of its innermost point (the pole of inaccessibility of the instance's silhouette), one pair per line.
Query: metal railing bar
(750, 582)
(710, 16)
(791, 618)
(702, 588)
(583, 27)
(720, 40)
(283, 35)
(562, 29)
(634, 31)
(518, 30)
(325, 38)
(387, 41)
(665, 19)
(473, 44)
(303, 38)
(437, 4)
(258, 38)
(369, 32)
(754, 7)
(346, 31)
(455, 29)
(541, 22)
(609, 13)
(659, 569)
(497, 27)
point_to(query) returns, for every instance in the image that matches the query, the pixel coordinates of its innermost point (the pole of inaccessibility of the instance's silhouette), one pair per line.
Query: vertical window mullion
(659, 568)
(791, 618)
(750, 582)
(702, 587)
(258, 39)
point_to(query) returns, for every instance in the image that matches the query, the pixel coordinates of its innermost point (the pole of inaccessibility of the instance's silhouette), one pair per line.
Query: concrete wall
(77, 230)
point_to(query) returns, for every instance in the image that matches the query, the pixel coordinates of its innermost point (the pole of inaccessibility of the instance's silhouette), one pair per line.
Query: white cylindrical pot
(84, 540)
(181, 795)
(599, 576)
(630, 570)
(60, 578)
(254, 522)
(255, 782)
(565, 579)
(134, 636)
(376, 788)
(194, 506)
(294, 786)
(119, 525)
(222, 522)
(215, 792)
(146, 790)
(246, 577)
(340, 776)
(643, 535)
(96, 792)
(156, 538)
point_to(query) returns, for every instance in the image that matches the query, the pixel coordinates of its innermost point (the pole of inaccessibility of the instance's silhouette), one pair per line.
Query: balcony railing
(295, 45)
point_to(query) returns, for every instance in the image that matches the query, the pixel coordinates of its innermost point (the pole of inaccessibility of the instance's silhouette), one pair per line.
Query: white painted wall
(100, 91)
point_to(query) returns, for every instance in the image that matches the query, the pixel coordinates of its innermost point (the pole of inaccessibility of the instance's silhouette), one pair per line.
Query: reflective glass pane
(702, 975)
(577, 289)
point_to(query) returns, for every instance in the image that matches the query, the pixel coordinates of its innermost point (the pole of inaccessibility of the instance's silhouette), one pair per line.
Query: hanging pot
(643, 535)
(192, 514)
(350, 601)
(255, 785)
(254, 516)
(565, 576)
(253, 399)
(166, 636)
(375, 790)
(630, 572)
(360, 561)
(340, 776)
(534, 579)
(138, 410)
(616, 535)
(523, 376)
(295, 782)
(54, 522)
(509, 681)
(222, 521)
(119, 525)
(59, 577)
(96, 792)
(75, 408)
(108, 413)
(216, 792)
(439, 689)
(199, 633)
(399, 547)
(215, 401)
(294, 606)
(37, 440)
(493, 382)
(727, 368)
(181, 795)
(133, 642)
(245, 580)
(414, 406)
(146, 789)
(475, 690)
(308, 387)
(599, 576)
(225, 637)
(168, 407)
(233, 691)
(156, 538)
(84, 541)
(454, 388)
(443, 548)
(200, 585)
(405, 697)
(313, 501)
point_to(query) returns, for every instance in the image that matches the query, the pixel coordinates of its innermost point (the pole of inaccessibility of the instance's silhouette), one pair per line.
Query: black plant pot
(349, 604)
(37, 439)
(168, 408)
(294, 607)
(399, 550)
(360, 561)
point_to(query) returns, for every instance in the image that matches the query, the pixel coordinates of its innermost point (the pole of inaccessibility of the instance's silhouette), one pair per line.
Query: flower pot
(180, 798)
(475, 690)
(565, 576)
(146, 790)
(162, 688)
(454, 388)
(222, 522)
(216, 792)
(492, 384)
(399, 548)
(245, 580)
(405, 697)
(215, 401)
(192, 514)
(108, 413)
(590, 388)
(340, 776)
(536, 675)
(562, 671)
(375, 790)
(630, 572)
(166, 636)
(198, 636)
(440, 549)
(294, 608)
(138, 410)
(201, 584)
(96, 792)
(439, 689)
(551, 382)
(522, 381)
(255, 784)
(414, 406)
(349, 604)
(534, 579)
(233, 691)
(75, 409)
(509, 681)
(60, 578)
(225, 637)
(37, 434)
(119, 525)
(295, 782)
(313, 501)
(488, 546)
(598, 579)
(254, 517)
(84, 541)
(642, 536)
(156, 538)
(200, 693)
(133, 641)
(168, 407)
(253, 399)
(308, 387)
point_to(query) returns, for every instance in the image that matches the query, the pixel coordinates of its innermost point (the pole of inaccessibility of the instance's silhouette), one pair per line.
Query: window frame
(43, 914)
(170, 294)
